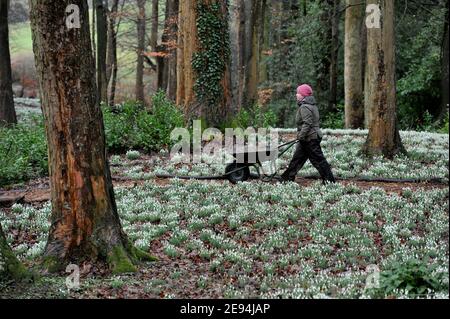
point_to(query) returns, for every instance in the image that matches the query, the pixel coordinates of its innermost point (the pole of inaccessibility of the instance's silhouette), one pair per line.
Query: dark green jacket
(308, 120)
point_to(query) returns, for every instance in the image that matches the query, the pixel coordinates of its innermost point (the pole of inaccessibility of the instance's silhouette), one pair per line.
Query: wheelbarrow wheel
(237, 172)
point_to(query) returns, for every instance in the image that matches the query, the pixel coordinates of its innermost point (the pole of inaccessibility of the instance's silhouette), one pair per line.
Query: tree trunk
(324, 63)
(384, 138)
(188, 46)
(111, 66)
(237, 47)
(264, 42)
(7, 111)
(171, 47)
(246, 40)
(254, 15)
(85, 224)
(10, 266)
(154, 30)
(140, 52)
(162, 51)
(445, 69)
(354, 94)
(334, 55)
(102, 43)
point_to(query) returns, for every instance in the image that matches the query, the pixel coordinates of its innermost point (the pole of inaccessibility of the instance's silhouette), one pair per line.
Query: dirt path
(38, 191)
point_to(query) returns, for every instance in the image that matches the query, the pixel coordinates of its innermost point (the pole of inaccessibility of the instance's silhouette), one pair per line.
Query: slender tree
(353, 65)
(445, 67)
(85, 224)
(102, 45)
(111, 64)
(334, 54)
(141, 27)
(7, 112)
(380, 92)
(154, 29)
(171, 47)
(247, 25)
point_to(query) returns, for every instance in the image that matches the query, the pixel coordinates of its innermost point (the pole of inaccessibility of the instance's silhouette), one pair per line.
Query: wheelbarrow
(244, 159)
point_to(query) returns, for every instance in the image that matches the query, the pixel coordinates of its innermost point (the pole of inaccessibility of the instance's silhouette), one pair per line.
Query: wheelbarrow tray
(255, 156)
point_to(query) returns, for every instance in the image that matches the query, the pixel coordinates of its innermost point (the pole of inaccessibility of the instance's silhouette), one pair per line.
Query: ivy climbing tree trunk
(10, 266)
(353, 65)
(85, 224)
(384, 138)
(203, 70)
(7, 112)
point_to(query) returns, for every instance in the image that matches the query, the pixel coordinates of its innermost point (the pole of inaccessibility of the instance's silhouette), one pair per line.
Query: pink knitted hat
(305, 90)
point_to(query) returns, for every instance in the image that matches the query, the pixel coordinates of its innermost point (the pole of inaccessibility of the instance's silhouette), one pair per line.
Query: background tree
(354, 94)
(203, 73)
(84, 222)
(141, 40)
(112, 61)
(7, 111)
(102, 45)
(169, 43)
(380, 91)
(445, 67)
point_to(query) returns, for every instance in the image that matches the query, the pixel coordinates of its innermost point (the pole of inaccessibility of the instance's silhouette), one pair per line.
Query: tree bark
(188, 45)
(334, 55)
(10, 266)
(7, 111)
(445, 68)
(247, 41)
(111, 65)
(264, 42)
(102, 43)
(85, 224)
(384, 138)
(353, 65)
(237, 46)
(171, 61)
(324, 63)
(154, 29)
(140, 52)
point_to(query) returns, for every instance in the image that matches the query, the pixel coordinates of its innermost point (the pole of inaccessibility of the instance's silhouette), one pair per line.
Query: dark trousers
(309, 150)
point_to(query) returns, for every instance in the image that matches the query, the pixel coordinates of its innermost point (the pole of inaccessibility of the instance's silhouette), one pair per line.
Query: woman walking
(310, 136)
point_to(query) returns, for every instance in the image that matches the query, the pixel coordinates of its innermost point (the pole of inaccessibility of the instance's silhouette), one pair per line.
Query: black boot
(326, 173)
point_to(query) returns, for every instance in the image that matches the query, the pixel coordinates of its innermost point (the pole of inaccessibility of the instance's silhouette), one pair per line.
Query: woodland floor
(254, 239)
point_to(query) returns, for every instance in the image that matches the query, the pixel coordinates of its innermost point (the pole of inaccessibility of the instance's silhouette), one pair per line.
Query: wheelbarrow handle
(289, 143)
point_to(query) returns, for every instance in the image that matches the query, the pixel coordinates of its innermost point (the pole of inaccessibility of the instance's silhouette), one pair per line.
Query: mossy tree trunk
(85, 224)
(10, 266)
(384, 137)
(7, 112)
